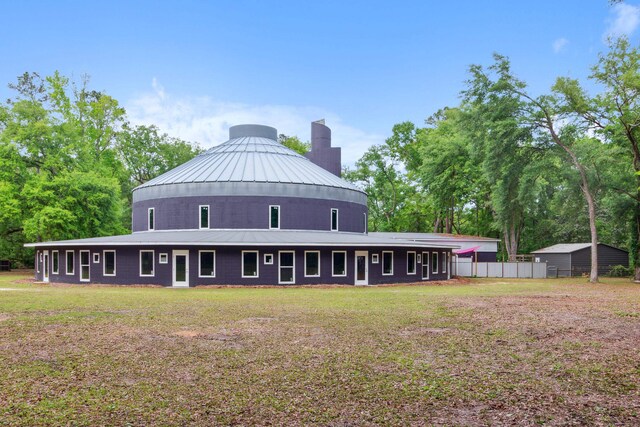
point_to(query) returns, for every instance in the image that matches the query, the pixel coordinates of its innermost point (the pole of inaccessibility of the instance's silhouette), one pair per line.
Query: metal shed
(574, 259)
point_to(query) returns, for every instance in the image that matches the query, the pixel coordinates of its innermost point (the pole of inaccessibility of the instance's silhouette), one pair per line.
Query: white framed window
(444, 262)
(151, 220)
(203, 216)
(268, 259)
(287, 267)
(55, 262)
(366, 224)
(96, 258)
(38, 261)
(70, 263)
(387, 263)
(206, 263)
(339, 263)
(147, 263)
(85, 268)
(311, 263)
(274, 217)
(250, 266)
(375, 259)
(334, 219)
(109, 263)
(434, 262)
(411, 262)
(425, 265)
(163, 258)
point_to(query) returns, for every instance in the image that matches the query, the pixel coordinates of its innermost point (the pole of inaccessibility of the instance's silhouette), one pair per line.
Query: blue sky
(194, 68)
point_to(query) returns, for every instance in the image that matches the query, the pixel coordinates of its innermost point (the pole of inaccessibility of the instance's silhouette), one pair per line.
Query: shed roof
(242, 237)
(566, 248)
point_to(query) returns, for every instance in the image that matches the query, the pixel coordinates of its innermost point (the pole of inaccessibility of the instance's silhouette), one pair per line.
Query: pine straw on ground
(471, 352)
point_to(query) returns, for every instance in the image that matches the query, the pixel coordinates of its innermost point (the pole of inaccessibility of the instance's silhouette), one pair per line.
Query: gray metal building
(574, 259)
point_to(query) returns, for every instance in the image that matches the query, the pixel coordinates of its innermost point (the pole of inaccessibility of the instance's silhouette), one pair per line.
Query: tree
(294, 143)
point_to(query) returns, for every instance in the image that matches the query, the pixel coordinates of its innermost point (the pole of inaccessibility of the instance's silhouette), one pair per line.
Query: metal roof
(242, 237)
(252, 154)
(433, 236)
(562, 248)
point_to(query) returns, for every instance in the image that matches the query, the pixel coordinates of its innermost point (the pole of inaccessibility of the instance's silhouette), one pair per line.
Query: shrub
(620, 271)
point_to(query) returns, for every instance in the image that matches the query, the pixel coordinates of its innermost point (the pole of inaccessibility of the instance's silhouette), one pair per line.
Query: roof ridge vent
(256, 131)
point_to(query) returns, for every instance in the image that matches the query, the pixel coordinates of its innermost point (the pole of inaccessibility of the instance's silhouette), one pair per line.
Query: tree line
(69, 159)
(531, 170)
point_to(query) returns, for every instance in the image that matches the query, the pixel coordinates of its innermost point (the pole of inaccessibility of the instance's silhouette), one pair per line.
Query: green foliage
(621, 271)
(294, 143)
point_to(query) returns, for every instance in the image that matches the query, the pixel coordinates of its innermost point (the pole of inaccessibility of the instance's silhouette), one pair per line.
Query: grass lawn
(484, 352)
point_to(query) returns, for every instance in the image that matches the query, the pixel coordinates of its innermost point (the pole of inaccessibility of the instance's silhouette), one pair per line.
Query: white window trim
(38, 261)
(333, 264)
(415, 263)
(366, 224)
(425, 260)
(66, 263)
(57, 255)
(151, 227)
(444, 263)
(200, 217)
(305, 264)
(153, 263)
(265, 259)
(165, 256)
(293, 277)
(434, 263)
(278, 209)
(200, 263)
(337, 220)
(96, 257)
(87, 265)
(383, 273)
(104, 264)
(257, 265)
(375, 258)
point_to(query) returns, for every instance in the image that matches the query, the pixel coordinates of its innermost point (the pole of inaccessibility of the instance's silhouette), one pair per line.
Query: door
(85, 267)
(181, 268)
(362, 268)
(45, 266)
(425, 265)
(287, 273)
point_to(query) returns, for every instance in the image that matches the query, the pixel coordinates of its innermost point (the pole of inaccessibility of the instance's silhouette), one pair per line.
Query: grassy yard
(518, 352)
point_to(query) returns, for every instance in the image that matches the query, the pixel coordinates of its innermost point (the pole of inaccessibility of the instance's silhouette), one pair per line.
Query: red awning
(466, 251)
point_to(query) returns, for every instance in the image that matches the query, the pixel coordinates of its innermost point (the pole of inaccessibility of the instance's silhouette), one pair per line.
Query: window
(425, 265)
(70, 259)
(375, 259)
(163, 259)
(151, 221)
(366, 224)
(339, 263)
(38, 261)
(147, 267)
(96, 258)
(411, 263)
(268, 258)
(207, 266)
(387, 263)
(274, 217)
(287, 273)
(334, 219)
(55, 262)
(85, 273)
(312, 264)
(109, 266)
(434, 262)
(444, 262)
(250, 264)
(204, 216)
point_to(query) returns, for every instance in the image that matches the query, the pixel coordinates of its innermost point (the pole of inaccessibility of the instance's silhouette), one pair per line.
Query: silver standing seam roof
(242, 237)
(252, 154)
(562, 248)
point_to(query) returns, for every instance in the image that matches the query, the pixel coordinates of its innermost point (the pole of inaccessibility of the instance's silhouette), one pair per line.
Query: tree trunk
(511, 242)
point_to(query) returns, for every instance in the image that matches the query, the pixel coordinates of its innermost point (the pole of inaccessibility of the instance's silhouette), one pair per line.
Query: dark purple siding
(249, 212)
(228, 267)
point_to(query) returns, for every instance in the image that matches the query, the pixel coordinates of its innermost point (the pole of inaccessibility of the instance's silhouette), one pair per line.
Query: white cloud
(559, 44)
(624, 22)
(207, 121)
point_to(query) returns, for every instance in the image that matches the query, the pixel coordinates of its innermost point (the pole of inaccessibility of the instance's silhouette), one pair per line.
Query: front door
(362, 268)
(181, 268)
(45, 266)
(425, 265)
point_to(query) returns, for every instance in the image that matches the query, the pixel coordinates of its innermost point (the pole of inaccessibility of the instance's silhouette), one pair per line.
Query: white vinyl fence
(531, 270)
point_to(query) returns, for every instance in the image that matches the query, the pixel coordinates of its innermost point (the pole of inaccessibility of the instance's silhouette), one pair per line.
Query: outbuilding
(249, 211)
(574, 259)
